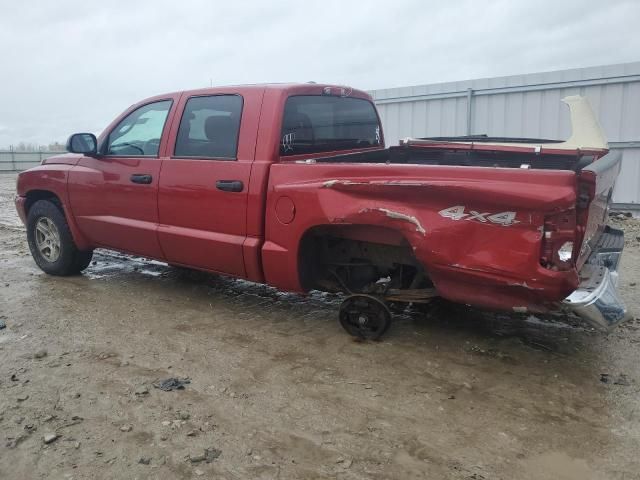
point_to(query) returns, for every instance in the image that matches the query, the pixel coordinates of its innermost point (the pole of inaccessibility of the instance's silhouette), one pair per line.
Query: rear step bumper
(596, 300)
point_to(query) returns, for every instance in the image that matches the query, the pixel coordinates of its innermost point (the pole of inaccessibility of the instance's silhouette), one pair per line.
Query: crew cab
(292, 185)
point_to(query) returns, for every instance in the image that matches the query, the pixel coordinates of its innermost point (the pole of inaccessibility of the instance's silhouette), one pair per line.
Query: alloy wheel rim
(47, 239)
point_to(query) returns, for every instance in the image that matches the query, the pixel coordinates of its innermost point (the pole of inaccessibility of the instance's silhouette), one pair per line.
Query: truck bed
(455, 155)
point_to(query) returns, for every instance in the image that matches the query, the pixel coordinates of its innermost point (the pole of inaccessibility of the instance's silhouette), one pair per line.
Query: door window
(209, 127)
(139, 133)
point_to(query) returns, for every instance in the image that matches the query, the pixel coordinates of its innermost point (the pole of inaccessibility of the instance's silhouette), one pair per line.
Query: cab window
(319, 123)
(209, 127)
(139, 133)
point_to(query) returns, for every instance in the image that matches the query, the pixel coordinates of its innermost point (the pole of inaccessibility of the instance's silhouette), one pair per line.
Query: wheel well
(34, 195)
(354, 258)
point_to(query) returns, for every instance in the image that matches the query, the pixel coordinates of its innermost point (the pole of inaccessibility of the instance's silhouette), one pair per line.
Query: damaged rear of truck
(514, 225)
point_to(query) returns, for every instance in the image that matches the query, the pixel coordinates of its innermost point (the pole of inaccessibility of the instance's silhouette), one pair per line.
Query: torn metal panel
(398, 216)
(331, 183)
(523, 285)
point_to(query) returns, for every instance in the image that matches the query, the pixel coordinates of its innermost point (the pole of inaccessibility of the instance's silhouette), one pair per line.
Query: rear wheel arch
(381, 251)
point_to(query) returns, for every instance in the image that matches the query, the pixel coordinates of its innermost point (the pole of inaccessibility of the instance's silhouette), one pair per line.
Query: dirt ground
(278, 390)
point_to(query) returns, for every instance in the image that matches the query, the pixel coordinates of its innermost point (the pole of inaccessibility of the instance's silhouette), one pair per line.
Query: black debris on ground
(172, 384)
(621, 379)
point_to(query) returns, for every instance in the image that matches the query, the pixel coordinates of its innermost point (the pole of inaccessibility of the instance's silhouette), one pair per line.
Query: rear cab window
(321, 123)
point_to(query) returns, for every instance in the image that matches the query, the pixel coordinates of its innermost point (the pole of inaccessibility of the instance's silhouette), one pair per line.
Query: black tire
(83, 260)
(67, 260)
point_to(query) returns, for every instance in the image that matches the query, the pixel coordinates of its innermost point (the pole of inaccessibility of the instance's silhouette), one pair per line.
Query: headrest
(295, 120)
(218, 126)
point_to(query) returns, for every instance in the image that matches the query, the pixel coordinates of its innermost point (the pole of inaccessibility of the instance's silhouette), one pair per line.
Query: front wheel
(51, 243)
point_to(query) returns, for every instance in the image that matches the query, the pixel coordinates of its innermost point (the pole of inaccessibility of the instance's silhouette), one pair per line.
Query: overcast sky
(73, 65)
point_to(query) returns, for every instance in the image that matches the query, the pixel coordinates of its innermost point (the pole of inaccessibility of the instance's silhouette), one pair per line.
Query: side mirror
(85, 143)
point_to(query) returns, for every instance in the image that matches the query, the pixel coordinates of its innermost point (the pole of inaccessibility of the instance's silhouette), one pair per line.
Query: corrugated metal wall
(524, 106)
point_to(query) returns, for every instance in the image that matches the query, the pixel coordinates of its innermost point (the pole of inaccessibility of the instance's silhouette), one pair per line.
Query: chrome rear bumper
(596, 300)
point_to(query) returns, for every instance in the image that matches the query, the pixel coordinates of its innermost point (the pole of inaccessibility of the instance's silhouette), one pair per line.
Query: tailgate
(596, 299)
(595, 191)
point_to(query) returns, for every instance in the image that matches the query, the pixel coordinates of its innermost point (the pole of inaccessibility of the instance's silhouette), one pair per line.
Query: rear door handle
(141, 178)
(230, 185)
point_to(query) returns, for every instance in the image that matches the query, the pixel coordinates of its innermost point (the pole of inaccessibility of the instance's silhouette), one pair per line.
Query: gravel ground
(278, 390)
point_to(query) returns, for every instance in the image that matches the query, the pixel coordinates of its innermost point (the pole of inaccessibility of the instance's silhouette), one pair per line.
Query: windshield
(314, 123)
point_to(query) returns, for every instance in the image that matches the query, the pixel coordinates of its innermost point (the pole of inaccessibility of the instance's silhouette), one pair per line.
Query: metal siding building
(525, 106)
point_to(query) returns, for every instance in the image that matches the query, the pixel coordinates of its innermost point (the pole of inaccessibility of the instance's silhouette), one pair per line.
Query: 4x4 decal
(458, 213)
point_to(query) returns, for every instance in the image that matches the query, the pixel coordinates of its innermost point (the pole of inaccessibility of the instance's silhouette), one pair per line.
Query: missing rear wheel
(365, 317)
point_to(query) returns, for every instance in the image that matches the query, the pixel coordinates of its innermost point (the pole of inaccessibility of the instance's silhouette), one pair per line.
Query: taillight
(558, 241)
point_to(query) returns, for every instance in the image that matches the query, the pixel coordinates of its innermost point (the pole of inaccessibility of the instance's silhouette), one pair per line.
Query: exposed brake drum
(365, 316)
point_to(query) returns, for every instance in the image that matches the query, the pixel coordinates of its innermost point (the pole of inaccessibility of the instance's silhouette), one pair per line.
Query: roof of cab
(280, 86)
(309, 88)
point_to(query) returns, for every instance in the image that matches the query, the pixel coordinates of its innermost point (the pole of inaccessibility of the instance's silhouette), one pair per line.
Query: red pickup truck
(292, 185)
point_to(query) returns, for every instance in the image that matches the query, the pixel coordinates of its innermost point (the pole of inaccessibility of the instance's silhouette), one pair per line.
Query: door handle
(141, 178)
(229, 185)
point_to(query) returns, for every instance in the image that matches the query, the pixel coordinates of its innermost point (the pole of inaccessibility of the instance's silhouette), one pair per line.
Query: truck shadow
(557, 333)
